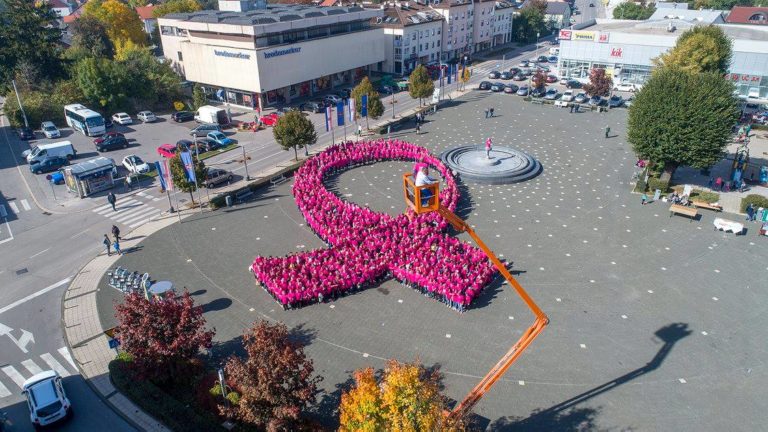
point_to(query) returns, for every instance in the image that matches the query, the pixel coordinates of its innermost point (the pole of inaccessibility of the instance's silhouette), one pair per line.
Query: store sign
(565, 34)
(603, 38)
(745, 79)
(584, 35)
(616, 52)
(230, 54)
(282, 52)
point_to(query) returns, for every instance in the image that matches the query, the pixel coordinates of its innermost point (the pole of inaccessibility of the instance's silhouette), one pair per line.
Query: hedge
(700, 195)
(172, 413)
(654, 183)
(757, 201)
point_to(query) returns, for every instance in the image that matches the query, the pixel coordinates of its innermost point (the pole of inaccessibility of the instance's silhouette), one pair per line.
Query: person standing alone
(112, 199)
(488, 147)
(108, 244)
(116, 232)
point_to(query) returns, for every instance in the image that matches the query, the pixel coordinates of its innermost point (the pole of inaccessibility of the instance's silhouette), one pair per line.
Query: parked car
(122, 118)
(47, 164)
(203, 129)
(147, 116)
(270, 119)
(519, 77)
(542, 59)
(101, 139)
(551, 94)
(484, 85)
(497, 87)
(135, 165)
(596, 101)
(25, 133)
(205, 145)
(46, 399)
(625, 87)
(286, 109)
(552, 59)
(108, 123)
(505, 76)
(332, 99)
(524, 63)
(111, 142)
(216, 176)
(551, 79)
(220, 138)
(386, 89)
(573, 84)
(313, 106)
(615, 101)
(182, 116)
(567, 96)
(186, 144)
(514, 71)
(523, 90)
(167, 150)
(494, 75)
(581, 97)
(543, 68)
(50, 130)
(563, 81)
(539, 92)
(511, 89)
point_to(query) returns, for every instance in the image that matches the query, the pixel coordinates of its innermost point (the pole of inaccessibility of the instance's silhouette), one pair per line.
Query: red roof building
(748, 15)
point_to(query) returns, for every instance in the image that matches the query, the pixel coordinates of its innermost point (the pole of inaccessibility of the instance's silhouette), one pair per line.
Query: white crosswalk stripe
(25, 204)
(130, 211)
(54, 364)
(14, 207)
(145, 216)
(32, 367)
(67, 356)
(14, 375)
(4, 392)
(139, 212)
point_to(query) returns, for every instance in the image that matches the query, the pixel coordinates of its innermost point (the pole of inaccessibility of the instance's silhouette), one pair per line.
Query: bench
(243, 194)
(706, 205)
(683, 210)
(278, 179)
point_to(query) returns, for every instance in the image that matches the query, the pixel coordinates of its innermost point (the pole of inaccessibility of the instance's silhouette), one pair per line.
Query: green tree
(28, 32)
(156, 84)
(700, 49)
(682, 118)
(103, 82)
(632, 11)
(530, 22)
(175, 6)
(179, 174)
(420, 84)
(198, 97)
(295, 131)
(599, 84)
(90, 36)
(375, 107)
(43, 102)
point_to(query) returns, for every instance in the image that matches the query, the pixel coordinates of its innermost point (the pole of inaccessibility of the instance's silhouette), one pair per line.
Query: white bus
(82, 119)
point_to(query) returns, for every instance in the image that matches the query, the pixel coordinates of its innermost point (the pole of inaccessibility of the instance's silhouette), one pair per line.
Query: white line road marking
(14, 375)
(129, 213)
(40, 253)
(107, 206)
(10, 233)
(156, 199)
(33, 295)
(141, 194)
(67, 356)
(14, 207)
(32, 367)
(80, 233)
(4, 392)
(142, 213)
(54, 364)
(25, 204)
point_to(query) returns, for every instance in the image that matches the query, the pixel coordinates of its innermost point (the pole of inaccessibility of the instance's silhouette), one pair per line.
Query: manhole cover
(22, 271)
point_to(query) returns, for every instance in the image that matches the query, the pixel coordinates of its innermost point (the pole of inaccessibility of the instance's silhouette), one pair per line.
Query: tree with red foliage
(539, 79)
(274, 381)
(600, 84)
(162, 335)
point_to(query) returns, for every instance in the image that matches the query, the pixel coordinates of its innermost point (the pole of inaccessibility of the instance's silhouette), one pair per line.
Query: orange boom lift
(425, 199)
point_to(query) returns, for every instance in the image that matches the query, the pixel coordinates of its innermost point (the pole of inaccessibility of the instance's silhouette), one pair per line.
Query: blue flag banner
(450, 73)
(340, 113)
(189, 166)
(161, 175)
(364, 106)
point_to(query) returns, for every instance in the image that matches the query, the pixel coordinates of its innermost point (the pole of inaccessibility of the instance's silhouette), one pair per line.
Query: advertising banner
(583, 36)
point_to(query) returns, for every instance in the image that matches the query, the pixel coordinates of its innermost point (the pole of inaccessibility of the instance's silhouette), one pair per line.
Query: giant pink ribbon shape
(363, 253)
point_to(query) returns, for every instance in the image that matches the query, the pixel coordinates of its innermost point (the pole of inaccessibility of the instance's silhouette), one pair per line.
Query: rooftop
(748, 15)
(705, 16)
(145, 12)
(406, 14)
(557, 8)
(660, 28)
(274, 13)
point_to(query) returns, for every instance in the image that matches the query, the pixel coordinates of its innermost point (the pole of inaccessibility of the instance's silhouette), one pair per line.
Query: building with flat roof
(626, 50)
(253, 54)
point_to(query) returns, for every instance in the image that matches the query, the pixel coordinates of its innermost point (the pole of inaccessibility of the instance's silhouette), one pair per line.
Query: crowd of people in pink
(365, 246)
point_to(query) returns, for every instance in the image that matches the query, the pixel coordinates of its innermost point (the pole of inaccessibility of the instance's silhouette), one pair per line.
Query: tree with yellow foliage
(407, 400)
(122, 23)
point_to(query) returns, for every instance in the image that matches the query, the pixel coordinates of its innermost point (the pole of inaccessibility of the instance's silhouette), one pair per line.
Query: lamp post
(393, 103)
(537, 42)
(223, 388)
(245, 162)
(18, 99)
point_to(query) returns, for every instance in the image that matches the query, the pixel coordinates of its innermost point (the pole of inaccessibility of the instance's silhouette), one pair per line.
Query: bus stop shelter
(90, 177)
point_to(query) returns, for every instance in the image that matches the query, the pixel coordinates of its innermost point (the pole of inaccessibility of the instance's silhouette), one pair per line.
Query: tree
(121, 22)
(179, 174)
(274, 381)
(375, 107)
(28, 32)
(539, 79)
(295, 131)
(407, 399)
(530, 22)
(682, 118)
(90, 35)
(162, 335)
(103, 82)
(420, 84)
(599, 83)
(198, 97)
(175, 6)
(700, 49)
(632, 11)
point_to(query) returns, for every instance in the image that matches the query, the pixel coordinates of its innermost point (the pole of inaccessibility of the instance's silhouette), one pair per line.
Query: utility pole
(18, 99)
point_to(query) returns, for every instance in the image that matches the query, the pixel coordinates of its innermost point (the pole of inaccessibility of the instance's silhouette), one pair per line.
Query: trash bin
(228, 200)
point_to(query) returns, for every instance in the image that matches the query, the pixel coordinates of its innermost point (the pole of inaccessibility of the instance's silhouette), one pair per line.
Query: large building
(626, 50)
(253, 54)
(413, 35)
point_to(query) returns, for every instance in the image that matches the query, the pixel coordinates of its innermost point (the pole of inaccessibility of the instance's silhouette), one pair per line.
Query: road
(41, 250)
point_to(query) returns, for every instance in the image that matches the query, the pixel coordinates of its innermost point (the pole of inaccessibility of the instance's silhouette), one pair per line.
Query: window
(273, 40)
(318, 32)
(178, 54)
(438, 31)
(339, 28)
(294, 36)
(165, 30)
(438, 43)
(414, 36)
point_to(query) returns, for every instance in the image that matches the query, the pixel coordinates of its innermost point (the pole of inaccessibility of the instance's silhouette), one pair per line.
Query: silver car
(216, 176)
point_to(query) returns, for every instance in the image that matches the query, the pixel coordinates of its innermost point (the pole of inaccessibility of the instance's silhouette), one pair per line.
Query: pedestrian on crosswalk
(116, 245)
(116, 232)
(108, 244)
(112, 200)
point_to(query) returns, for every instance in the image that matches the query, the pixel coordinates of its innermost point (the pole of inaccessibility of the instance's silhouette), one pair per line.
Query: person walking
(719, 184)
(116, 245)
(607, 131)
(750, 212)
(487, 110)
(418, 128)
(490, 111)
(572, 106)
(644, 199)
(112, 199)
(116, 232)
(488, 147)
(108, 244)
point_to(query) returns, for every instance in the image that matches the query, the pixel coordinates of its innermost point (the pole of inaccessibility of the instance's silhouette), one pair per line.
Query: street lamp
(245, 162)
(223, 388)
(537, 41)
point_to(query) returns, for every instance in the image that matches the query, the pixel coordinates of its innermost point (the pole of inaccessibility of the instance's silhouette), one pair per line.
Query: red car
(167, 150)
(102, 138)
(270, 119)
(551, 79)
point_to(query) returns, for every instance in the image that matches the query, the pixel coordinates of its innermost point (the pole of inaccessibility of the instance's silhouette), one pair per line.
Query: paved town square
(655, 321)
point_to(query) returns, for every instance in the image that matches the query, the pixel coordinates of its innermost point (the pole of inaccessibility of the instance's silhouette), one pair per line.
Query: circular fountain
(505, 165)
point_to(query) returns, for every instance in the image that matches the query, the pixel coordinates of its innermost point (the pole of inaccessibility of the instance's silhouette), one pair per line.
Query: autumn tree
(406, 399)
(175, 6)
(162, 335)
(700, 49)
(122, 23)
(599, 84)
(294, 131)
(420, 84)
(539, 79)
(179, 174)
(274, 380)
(375, 107)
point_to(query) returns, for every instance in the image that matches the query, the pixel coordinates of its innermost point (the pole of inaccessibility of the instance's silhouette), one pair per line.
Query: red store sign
(565, 34)
(744, 79)
(616, 52)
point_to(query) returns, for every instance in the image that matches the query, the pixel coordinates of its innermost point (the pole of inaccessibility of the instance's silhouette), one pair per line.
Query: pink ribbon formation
(365, 246)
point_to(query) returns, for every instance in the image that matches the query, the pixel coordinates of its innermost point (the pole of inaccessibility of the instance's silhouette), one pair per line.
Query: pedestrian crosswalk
(15, 207)
(130, 211)
(14, 375)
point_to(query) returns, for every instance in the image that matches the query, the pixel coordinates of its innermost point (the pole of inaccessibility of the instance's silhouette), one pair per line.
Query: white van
(211, 115)
(39, 152)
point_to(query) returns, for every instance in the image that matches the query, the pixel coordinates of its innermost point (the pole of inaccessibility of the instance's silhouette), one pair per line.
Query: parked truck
(211, 115)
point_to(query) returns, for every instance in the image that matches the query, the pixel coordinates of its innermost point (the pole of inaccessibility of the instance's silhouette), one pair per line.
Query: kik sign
(616, 52)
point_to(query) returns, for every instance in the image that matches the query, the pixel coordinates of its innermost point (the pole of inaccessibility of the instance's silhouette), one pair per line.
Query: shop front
(90, 177)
